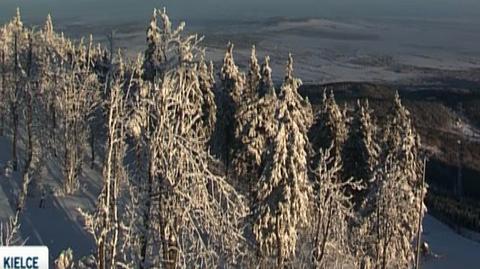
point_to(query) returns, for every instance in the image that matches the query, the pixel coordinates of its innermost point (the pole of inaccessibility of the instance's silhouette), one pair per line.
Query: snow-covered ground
(58, 225)
(326, 49)
(358, 50)
(330, 50)
(453, 250)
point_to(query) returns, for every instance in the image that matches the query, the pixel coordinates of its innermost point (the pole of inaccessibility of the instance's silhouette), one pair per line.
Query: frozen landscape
(329, 41)
(330, 44)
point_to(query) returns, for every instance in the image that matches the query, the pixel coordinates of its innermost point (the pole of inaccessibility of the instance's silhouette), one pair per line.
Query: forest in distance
(204, 166)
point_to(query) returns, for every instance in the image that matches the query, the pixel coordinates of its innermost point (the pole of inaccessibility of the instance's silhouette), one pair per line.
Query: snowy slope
(58, 225)
(454, 250)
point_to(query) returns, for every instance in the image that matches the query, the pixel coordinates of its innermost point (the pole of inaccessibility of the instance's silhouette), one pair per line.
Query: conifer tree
(233, 86)
(3, 77)
(152, 56)
(206, 85)
(18, 38)
(233, 80)
(255, 126)
(253, 77)
(390, 227)
(165, 45)
(283, 190)
(360, 154)
(48, 27)
(255, 129)
(266, 83)
(300, 107)
(402, 140)
(329, 127)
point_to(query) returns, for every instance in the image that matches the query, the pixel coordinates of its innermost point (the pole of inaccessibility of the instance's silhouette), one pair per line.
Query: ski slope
(454, 251)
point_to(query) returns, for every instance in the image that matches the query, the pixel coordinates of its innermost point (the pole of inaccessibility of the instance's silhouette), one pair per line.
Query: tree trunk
(29, 157)
(101, 255)
(420, 216)
(146, 216)
(14, 106)
(280, 257)
(15, 137)
(326, 233)
(29, 115)
(2, 122)
(2, 95)
(92, 147)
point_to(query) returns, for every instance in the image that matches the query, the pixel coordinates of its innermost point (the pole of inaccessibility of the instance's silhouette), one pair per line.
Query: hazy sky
(127, 10)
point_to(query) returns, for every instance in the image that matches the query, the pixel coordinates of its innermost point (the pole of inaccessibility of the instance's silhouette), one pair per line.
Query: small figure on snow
(43, 195)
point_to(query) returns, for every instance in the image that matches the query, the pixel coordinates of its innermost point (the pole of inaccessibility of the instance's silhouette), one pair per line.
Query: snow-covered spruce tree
(30, 93)
(54, 59)
(152, 53)
(282, 197)
(401, 140)
(253, 77)
(329, 127)
(233, 83)
(233, 80)
(361, 151)
(332, 214)
(104, 223)
(18, 40)
(266, 83)
(3, 78)
(19, 80)
(390, 226)
(255, 126)
(300, 108)
(166, 45)
(168, 48)
(206, 81)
